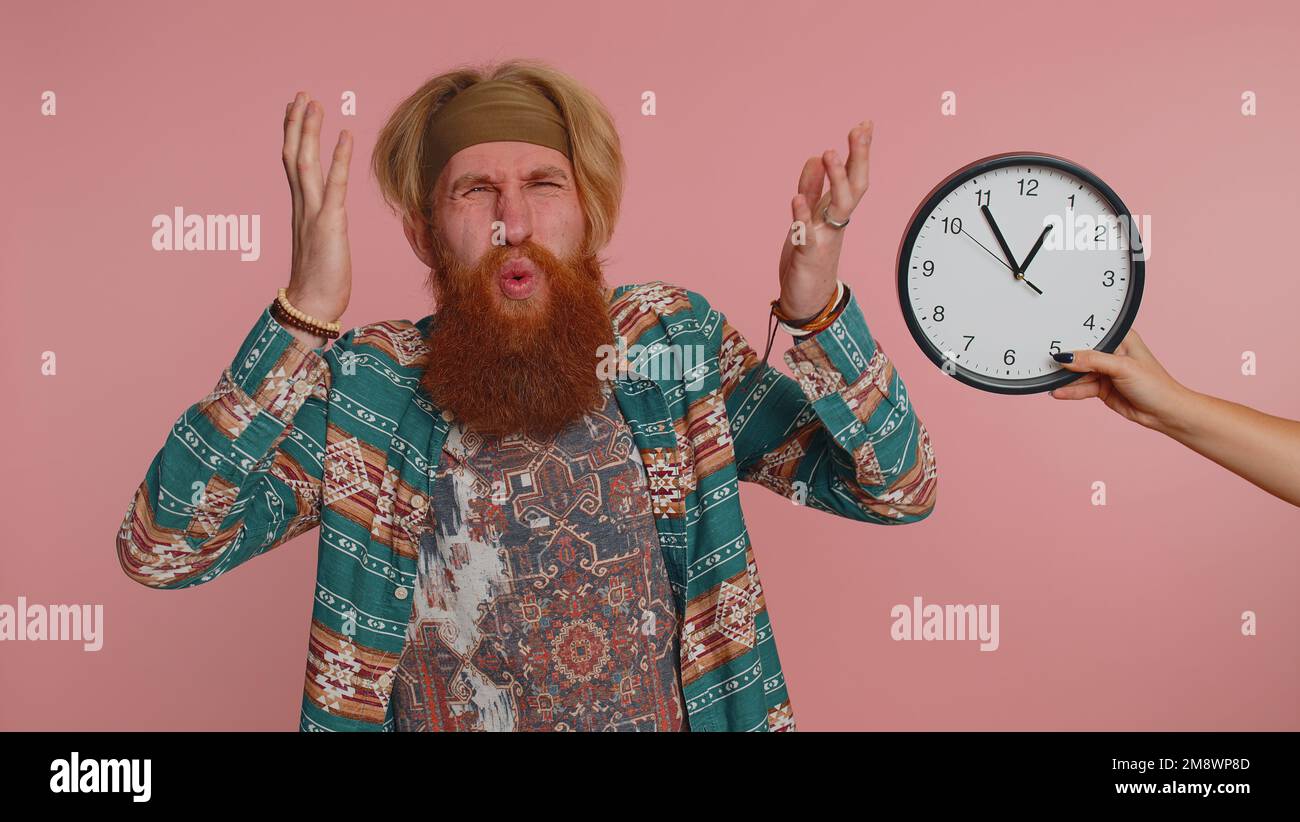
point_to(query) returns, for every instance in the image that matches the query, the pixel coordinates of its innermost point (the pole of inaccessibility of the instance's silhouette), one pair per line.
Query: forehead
(503, 158)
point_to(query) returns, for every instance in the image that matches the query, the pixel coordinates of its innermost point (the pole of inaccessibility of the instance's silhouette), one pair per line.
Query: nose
(514, 210)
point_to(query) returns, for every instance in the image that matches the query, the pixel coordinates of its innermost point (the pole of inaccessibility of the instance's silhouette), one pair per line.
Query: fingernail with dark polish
(1063, 356)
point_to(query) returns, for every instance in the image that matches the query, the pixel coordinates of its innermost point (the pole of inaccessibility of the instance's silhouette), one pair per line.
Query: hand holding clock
(1131, 382)
(1261, 448)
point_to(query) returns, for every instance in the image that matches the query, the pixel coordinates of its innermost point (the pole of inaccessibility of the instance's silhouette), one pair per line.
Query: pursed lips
(518, 279)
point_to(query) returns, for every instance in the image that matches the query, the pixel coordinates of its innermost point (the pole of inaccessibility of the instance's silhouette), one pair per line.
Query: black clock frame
(1108, 344)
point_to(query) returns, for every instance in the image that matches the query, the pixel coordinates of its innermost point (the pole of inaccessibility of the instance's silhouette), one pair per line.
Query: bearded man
(510, 538)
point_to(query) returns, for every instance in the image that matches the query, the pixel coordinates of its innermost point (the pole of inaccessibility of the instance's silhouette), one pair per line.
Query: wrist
(804, 311)
(1180, 417)
(829, 313)
(306, 327)
(324, 309)
(311, 339)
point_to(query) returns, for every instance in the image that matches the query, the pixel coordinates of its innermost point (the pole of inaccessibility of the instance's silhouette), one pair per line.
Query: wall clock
(1012, 258)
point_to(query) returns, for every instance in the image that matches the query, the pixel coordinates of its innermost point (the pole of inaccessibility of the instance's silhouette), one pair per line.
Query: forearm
(842, 436)
(1261, 448)
(237, 472)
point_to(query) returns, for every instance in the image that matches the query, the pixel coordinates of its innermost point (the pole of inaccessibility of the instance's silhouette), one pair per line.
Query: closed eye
(541, 183)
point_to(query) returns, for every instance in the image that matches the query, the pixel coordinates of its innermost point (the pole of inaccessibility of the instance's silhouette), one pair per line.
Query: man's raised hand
(320, 278)
(808, 271)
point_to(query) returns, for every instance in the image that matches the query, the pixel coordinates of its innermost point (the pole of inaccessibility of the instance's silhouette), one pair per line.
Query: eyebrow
(538, 173)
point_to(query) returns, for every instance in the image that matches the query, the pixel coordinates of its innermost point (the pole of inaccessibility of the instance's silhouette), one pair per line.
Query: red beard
(504, 366)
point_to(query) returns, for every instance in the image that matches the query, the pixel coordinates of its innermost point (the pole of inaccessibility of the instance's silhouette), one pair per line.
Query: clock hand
(1017, 274)
(1018, 271)
(1002, 241)
(1025, 265)
(986, 248)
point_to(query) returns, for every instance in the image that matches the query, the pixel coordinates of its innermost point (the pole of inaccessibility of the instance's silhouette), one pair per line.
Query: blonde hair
(397, 160)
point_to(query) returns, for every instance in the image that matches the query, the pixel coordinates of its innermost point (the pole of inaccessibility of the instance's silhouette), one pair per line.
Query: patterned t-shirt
(542, 601)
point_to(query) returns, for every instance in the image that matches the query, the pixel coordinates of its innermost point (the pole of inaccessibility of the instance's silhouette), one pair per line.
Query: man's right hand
(320, 279)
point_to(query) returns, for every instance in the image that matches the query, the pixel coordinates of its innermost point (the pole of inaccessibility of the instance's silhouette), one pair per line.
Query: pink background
(1118, 617)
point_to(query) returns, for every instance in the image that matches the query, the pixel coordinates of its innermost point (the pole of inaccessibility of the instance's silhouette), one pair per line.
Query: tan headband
(489, 111)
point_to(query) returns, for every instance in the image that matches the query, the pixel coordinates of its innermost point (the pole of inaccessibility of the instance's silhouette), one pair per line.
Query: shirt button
(400, 593)
(417, 502)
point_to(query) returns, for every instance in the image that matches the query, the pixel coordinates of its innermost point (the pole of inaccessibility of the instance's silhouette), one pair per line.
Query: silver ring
(826, 215)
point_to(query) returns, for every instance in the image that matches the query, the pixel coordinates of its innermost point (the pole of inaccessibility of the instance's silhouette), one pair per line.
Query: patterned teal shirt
(344, 438)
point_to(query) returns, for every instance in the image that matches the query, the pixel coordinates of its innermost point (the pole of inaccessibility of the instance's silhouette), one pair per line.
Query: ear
(417, 229)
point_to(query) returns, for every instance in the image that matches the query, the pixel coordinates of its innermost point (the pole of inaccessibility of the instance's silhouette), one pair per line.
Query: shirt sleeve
(841, 436)
(239, 473)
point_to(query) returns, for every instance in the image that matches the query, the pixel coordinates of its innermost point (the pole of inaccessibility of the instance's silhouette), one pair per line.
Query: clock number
(927, 268)
(1055, 347)
(1028, 188)
(1100, 236)
(1071, 199)
(982, 197)
(1088, 323)
(1009, 357)
(969, 340)
(1108, 282)
(937, 313)
(952, 225)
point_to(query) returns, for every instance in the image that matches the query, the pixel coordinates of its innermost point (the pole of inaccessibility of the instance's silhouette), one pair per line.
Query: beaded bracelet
(304, 322)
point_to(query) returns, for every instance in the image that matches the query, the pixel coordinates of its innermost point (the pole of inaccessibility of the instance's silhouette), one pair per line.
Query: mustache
(450, 277)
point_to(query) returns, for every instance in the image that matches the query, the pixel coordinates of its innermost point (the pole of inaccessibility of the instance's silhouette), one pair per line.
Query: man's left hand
(809, 271)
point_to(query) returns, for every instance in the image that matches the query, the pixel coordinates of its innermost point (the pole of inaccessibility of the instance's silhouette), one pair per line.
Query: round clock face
(1015, 257)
